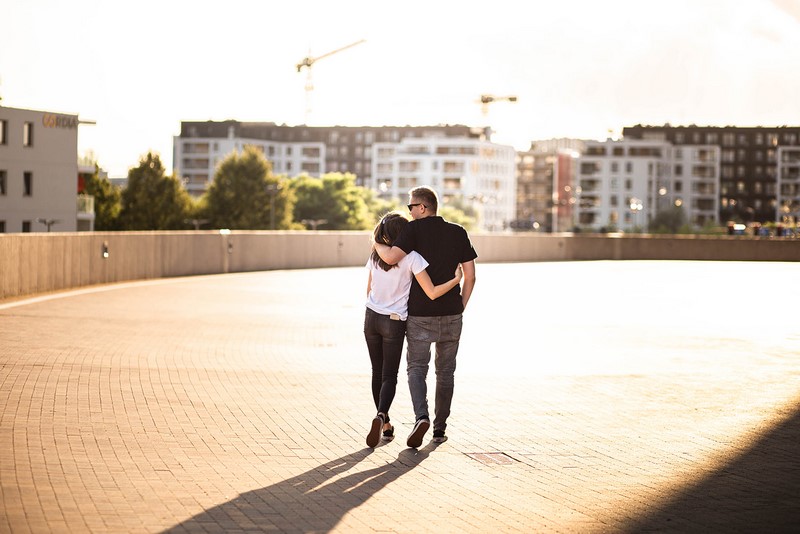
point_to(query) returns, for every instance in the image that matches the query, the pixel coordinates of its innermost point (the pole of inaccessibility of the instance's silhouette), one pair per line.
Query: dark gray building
(749, 163)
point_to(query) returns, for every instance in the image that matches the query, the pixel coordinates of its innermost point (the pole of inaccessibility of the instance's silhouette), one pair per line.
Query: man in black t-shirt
(444, 245)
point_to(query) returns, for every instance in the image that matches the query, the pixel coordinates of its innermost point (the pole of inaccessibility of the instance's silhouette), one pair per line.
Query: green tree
(456, 210)
(107, 200)
(245, 195)
(333, 198)
(669, 221)
(378, 207)
(152, 200)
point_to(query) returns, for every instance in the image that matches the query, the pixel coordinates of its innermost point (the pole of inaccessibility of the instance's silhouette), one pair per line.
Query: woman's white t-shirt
(389, 289)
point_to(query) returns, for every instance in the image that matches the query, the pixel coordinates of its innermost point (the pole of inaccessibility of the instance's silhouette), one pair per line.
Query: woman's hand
(459, 273)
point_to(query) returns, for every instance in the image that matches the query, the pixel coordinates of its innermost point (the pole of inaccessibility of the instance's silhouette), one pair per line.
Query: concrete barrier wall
(37, 263)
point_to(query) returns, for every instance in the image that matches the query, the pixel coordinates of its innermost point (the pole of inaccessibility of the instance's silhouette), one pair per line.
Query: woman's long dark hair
(386, 231)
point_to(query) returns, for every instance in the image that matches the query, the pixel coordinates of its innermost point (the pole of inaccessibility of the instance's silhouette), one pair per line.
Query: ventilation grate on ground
(491, 458)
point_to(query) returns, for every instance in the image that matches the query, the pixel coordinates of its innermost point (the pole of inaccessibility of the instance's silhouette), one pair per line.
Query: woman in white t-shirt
(386, 314)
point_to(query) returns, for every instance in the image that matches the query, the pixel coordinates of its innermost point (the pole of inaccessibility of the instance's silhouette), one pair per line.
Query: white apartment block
(622, 185)
(38, 171)
(478, 172)
(788, 186)
(196, 159)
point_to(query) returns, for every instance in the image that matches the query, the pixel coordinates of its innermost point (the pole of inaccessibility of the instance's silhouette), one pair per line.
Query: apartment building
(749, 163)
(38, 171)
(623, 185)
(293, 150)
(788, 185)
(546, 185)
(474, 171)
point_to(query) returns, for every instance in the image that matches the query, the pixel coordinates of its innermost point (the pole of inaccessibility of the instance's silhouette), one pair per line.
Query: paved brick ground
(591, 397)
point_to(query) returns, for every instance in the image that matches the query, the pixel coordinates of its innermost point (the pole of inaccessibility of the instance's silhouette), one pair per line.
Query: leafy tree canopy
(152, 200)
(107, 203)
(245, 195)
(333, 198)
(669, 221)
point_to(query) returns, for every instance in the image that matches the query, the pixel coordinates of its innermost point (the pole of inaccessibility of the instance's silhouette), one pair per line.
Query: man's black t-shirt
(444, 245)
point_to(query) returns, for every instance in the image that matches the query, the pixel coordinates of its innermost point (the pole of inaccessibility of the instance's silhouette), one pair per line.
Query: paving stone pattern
(590, 397)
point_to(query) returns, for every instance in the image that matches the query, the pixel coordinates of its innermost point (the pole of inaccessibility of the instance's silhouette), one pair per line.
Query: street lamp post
(47, 222)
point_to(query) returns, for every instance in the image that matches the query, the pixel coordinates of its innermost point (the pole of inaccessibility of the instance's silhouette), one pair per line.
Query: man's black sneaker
(415, 438)
(439, 437)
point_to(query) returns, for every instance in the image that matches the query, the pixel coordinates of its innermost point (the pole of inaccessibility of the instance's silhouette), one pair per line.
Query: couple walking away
(413, 291)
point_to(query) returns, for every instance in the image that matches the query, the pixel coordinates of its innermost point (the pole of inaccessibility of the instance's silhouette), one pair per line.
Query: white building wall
(196, 159)
(624, 184)
(788, 186)
(478, 172)
(51, 160)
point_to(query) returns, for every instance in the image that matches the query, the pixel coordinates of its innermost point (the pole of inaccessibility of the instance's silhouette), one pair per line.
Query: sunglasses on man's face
(411, 206)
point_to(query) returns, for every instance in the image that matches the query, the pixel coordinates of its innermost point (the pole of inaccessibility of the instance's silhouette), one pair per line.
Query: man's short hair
(427, 196)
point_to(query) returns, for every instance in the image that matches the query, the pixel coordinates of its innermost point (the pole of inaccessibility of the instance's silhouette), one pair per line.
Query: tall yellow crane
(308, 62)
(488, 99)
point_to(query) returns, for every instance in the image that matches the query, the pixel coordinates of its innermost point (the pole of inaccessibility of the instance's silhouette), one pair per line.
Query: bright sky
(579, 67)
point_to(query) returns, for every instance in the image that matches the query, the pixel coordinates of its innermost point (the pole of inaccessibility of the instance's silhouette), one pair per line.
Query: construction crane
(488, 99)
(308, 62)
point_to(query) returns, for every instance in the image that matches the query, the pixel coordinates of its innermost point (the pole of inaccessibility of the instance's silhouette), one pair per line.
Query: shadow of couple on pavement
(311, 501)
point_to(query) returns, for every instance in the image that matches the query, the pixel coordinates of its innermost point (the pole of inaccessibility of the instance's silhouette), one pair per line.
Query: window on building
(728, 139)
(678, 170)
(614, 201)
(3, 185)
(3, 132)
(2, 227)
(758, 187)
(712, 138)
(27, 184)
(629, 167)
(628, 184)
(678, 186)
(27, 134)
(26, 226)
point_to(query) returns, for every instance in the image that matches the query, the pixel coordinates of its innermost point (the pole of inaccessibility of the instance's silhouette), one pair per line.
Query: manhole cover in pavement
(491, 458)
